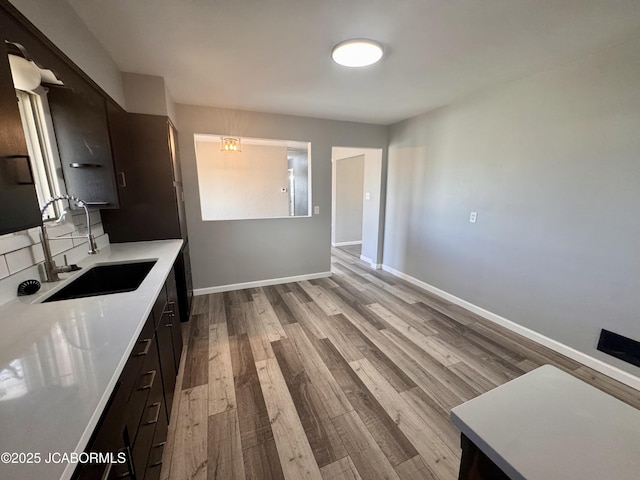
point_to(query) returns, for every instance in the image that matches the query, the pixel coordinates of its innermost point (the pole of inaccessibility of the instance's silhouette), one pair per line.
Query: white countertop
(548, 424)
(59, 361)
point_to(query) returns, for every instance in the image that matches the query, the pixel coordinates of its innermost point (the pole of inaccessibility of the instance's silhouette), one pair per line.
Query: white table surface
(59, 361)
(548, 425)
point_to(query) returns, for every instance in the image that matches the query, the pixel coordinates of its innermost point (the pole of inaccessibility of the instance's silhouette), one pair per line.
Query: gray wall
(349, 199)
(551, 164)
(60, 23)
(371, 223)
(229, 252)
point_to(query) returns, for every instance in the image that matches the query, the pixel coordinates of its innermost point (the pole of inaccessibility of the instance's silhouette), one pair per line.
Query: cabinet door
(174, 151)
(174, 317)
(120, 137)
(149, 209)
(19, 208)
(110, 437)
(167, 363)
(82, 134)
(151, 416)
(184, 283)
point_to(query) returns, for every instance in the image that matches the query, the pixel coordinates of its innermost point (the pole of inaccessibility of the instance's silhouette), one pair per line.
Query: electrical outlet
(367, 196)
(316, 210)
(473, 217)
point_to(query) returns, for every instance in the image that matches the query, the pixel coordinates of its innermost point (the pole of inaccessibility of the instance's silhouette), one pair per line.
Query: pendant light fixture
(230, 144)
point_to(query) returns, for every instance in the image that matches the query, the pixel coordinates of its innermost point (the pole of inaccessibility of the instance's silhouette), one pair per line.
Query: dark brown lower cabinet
(475, 465)
(133, 427)
(175, 314)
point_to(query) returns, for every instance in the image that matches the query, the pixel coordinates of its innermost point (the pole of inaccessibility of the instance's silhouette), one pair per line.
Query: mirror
(262, 178)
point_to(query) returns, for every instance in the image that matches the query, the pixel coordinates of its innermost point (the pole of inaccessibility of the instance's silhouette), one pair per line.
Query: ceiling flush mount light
(357, 53)
(230, 144)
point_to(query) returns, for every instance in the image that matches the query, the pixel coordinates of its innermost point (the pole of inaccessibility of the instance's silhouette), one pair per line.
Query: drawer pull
(172, 307)
(159, 462)
(169, 325)
(153, 377)
(158, 406)
(146, 347)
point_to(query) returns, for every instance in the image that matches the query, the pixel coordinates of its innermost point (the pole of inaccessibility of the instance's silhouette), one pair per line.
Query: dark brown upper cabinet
(150, 190)
(82, 134)
(19, 208)
(149, 182)
(80, 123)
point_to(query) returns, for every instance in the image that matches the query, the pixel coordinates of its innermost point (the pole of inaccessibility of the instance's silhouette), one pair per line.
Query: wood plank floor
(353, 250)
(348, 377)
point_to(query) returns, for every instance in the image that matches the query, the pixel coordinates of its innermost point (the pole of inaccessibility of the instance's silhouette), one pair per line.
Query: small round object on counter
(28, 287)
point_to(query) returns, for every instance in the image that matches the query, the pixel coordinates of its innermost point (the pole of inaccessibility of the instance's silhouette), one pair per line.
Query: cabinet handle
(172, 311)
(85, 165)
(130, 469)
(153, 377)
(155, 420)
(123, 179)
(107, 471)
(159, 462)
(146, 347)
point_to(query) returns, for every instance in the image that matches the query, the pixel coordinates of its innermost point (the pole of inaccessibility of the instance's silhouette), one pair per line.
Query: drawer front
(160, 305)
(153, 413)
(140, 352)
(173, 322)
(167, 364)
(148, 379)
(154, 465)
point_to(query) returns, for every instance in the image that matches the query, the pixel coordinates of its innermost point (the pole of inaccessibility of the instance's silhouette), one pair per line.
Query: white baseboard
(346, 244)
(259, 283)
(602, 367)
(375, 266)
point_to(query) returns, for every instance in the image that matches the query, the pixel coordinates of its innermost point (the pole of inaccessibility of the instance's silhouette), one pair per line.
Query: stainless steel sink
(105, 279)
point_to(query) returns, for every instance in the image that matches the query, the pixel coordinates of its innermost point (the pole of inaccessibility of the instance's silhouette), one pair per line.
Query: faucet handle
(93, 246)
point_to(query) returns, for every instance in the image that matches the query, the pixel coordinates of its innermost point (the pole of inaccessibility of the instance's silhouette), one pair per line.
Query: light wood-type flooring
(348, 377)
(353, 250)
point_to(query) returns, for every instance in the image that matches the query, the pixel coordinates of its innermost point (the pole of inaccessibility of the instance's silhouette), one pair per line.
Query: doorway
(356, 202)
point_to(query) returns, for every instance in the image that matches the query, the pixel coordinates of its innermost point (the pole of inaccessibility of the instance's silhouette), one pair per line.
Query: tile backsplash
(21, 252)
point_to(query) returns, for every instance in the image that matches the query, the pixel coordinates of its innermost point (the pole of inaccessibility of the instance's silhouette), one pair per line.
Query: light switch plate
(473, 216)
(316, 210)
(367, 196)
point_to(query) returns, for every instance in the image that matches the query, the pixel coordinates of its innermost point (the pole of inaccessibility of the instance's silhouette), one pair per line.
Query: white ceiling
(274, 55)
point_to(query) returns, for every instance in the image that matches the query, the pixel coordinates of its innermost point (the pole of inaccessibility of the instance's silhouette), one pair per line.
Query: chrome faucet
(50, 268)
